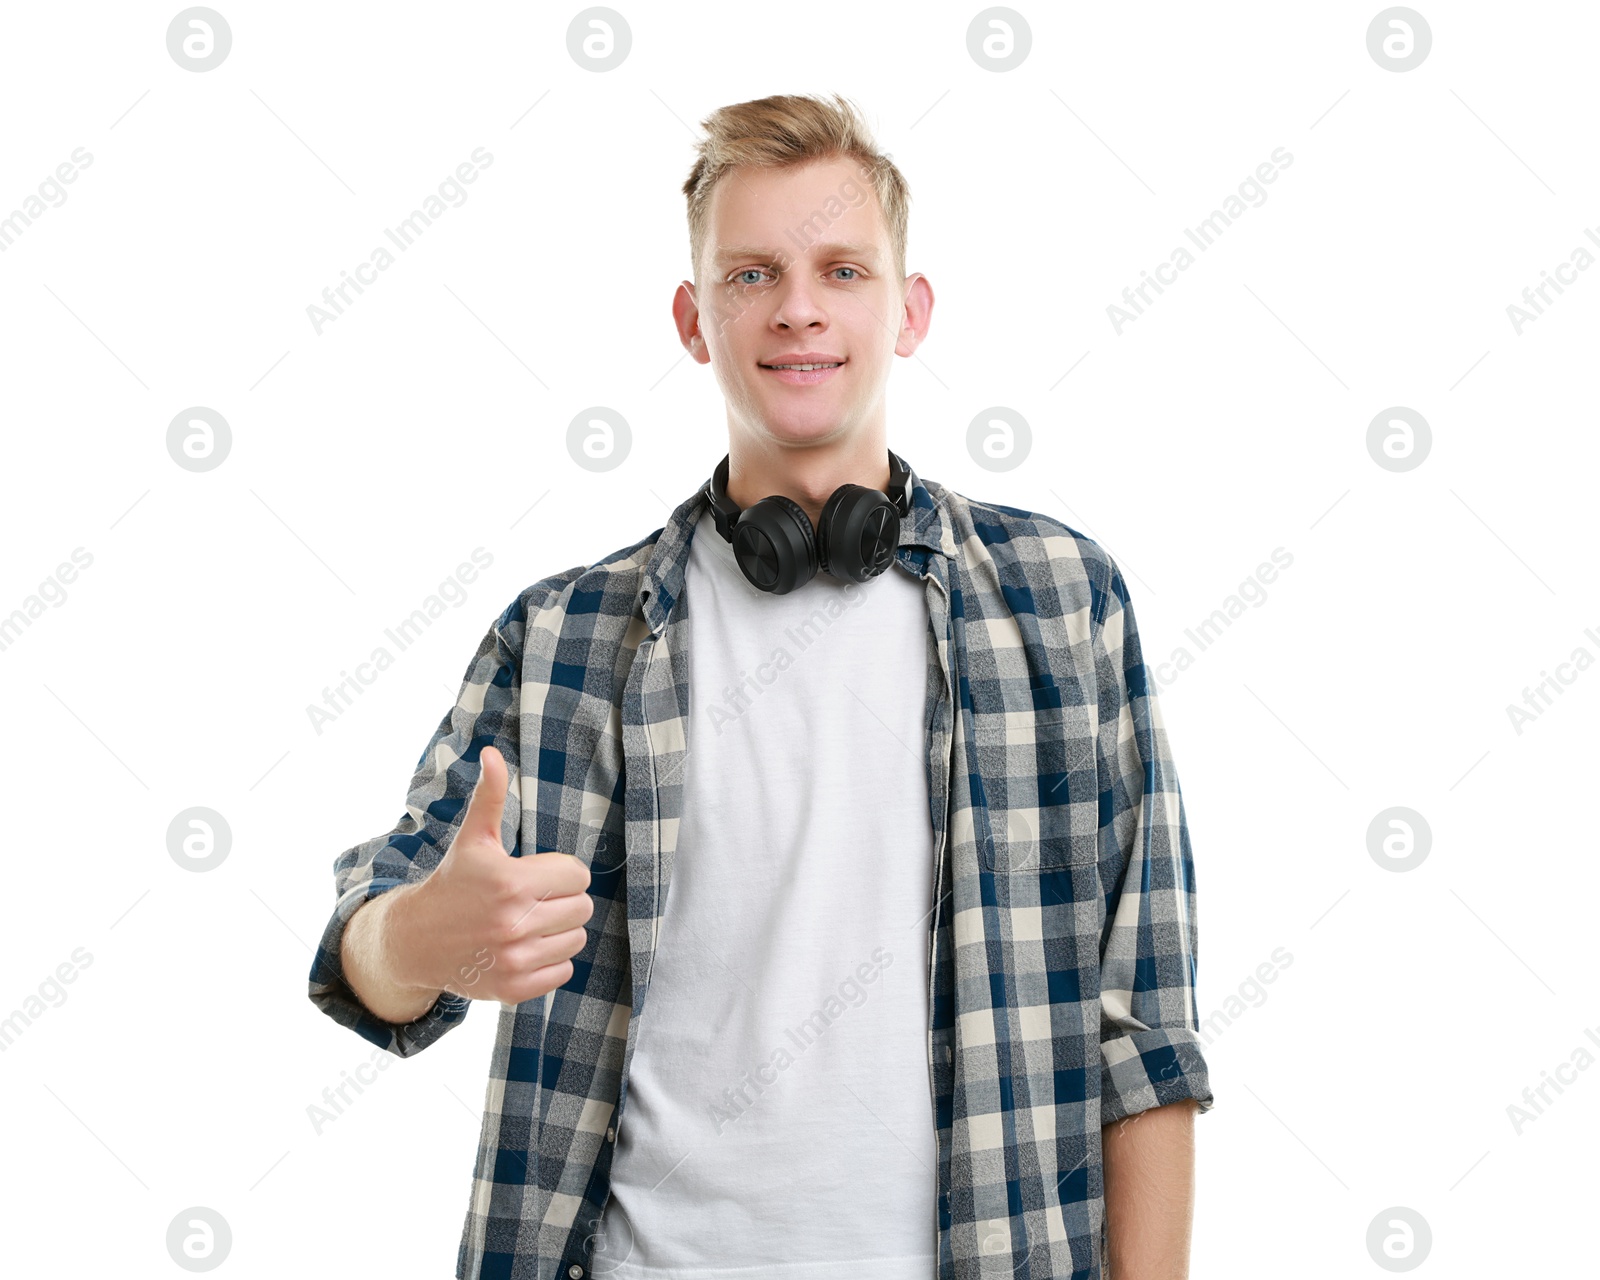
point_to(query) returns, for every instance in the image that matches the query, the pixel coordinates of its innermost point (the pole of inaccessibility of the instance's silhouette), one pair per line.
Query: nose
(798, 304)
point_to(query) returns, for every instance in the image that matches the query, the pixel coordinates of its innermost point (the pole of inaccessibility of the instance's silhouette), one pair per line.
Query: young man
(856, 936)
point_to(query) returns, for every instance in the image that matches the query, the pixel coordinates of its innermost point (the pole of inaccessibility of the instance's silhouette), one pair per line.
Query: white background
(367, 462)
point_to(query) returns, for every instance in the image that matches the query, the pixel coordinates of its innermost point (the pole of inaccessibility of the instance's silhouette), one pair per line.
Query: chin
(804, 428)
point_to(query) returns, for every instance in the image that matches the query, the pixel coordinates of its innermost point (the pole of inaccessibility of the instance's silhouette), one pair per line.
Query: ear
(686, 317)
(917, 316)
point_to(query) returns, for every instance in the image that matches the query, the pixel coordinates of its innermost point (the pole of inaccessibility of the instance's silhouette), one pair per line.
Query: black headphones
(777, 549)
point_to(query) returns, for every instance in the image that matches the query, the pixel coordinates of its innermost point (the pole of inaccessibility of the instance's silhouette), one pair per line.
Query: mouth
(806, 374)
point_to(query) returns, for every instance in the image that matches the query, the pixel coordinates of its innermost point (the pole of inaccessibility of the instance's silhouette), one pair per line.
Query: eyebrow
(863, 251)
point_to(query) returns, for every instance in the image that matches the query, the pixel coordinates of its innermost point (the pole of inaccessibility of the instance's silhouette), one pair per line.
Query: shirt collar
(924, 531)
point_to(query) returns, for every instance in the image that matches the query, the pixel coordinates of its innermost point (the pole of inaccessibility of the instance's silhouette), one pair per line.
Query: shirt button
(575, 1271)
(611, 1134)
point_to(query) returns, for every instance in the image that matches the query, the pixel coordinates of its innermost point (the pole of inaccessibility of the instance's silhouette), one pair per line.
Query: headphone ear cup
(858, 529)
(775, 545)
(829, 544)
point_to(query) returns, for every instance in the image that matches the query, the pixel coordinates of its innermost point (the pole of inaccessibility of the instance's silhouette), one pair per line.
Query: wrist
(398, 935)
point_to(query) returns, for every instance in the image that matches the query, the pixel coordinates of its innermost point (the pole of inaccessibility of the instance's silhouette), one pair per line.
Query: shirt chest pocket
(1041, 786)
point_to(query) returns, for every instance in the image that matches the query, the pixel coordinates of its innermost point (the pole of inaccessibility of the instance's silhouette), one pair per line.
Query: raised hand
(487, 925)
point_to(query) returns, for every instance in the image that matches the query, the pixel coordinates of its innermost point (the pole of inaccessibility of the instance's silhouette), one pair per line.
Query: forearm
(369, 956)
(1149, 1193)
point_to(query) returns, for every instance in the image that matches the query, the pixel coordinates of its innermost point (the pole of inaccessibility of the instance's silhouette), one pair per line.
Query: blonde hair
(784, 131)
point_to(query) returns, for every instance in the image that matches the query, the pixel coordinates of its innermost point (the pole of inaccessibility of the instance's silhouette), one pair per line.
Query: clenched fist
(487, 925)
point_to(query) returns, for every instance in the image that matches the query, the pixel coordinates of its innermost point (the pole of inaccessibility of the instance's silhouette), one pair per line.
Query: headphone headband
(725, 512)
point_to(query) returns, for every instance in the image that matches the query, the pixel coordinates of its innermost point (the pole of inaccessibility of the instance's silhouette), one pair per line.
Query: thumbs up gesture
(487, 925)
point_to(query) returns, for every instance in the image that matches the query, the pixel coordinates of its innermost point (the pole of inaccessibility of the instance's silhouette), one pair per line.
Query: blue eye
(738, 276)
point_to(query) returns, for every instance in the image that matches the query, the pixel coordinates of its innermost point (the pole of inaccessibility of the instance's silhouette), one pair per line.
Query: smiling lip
(803, 357)
(804, 377)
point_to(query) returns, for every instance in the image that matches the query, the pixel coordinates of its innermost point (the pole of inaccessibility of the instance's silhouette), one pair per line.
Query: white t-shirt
(779, 1120)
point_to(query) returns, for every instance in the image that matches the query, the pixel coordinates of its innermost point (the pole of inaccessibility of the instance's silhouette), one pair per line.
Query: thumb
(486, 807)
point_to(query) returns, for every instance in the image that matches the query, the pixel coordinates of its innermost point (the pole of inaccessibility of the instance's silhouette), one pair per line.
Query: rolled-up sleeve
(1150, 1048)
(486, 713)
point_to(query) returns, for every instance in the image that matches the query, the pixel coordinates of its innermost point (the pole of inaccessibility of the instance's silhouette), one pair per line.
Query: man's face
(798, 263)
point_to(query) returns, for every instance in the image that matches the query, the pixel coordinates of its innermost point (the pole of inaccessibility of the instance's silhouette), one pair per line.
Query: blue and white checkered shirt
(1062, 936)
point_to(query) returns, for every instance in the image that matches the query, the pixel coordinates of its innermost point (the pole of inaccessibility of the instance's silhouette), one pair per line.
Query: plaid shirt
(1062, 937)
